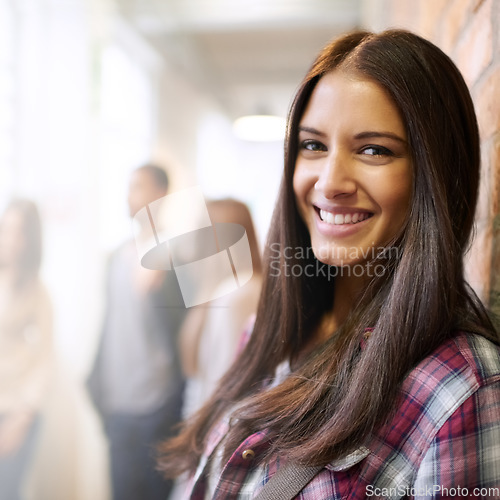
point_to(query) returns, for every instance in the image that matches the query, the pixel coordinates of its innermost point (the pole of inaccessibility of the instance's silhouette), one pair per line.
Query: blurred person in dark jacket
(136, 381)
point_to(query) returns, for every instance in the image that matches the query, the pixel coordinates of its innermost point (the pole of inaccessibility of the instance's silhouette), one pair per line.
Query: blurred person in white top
(210, 335)
(25, 342)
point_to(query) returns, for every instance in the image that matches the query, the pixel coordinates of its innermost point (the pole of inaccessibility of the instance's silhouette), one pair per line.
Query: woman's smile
(341, 222)
(352, 217)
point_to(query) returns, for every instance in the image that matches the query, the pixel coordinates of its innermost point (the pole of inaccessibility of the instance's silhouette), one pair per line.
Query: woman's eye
(376, 151)
(312, 145)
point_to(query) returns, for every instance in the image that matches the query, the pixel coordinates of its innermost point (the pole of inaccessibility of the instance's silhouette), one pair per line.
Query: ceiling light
(260, 128)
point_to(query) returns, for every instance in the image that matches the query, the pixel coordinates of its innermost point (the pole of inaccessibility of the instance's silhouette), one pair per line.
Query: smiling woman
(351, 380)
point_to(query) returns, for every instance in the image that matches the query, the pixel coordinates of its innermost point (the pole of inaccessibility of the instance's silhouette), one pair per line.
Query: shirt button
(248, 454)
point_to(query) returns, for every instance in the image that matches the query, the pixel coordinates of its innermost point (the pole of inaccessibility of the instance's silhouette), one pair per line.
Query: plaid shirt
(443, 442)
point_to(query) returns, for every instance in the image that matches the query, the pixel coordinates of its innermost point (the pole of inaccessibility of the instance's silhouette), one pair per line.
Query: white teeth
(326, 216)
(340, 219)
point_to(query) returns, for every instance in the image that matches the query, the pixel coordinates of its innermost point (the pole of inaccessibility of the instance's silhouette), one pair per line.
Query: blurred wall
(469, 32)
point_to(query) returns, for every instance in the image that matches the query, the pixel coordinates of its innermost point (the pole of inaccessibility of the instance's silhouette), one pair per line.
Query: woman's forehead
(341, 97)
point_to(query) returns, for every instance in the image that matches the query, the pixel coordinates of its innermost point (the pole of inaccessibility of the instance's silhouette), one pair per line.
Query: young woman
(25, 342)
(372, 365)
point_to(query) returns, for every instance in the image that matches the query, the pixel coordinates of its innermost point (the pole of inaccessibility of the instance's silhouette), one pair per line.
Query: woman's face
(353, 176)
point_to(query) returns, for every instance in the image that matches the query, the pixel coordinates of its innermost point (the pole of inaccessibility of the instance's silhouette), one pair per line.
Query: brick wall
(469, 32)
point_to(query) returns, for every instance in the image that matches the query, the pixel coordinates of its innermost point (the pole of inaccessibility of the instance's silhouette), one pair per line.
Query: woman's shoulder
(465, 356)
(481, 354)
(458, 369)
(451, 406)
(449, 385)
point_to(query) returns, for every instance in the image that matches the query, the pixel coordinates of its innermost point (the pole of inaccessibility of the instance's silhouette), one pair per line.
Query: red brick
(430, 14)
(476, 5)
(488, 105)
(483, 209)
(453, 22)
(478, 262)
(475, 51)
(404, 14)
(494, 297)
(495, 177)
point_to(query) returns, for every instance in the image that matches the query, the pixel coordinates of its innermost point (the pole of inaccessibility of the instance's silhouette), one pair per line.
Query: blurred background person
(210, 334)
(26, 344)
(136, 382)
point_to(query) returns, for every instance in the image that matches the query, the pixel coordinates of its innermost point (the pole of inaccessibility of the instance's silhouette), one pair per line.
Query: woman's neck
(347, 292)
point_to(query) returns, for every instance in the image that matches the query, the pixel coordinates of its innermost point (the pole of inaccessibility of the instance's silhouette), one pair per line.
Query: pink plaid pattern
(442, 442)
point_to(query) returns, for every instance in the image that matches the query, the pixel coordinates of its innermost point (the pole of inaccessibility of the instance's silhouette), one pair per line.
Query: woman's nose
(336, 177)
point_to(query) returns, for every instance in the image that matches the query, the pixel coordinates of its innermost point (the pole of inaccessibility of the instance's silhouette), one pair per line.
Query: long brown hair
(334, 399)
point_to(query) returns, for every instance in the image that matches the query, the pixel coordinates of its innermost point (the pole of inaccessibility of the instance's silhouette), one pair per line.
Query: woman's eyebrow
(361, 135)
(311, 130)
(371, 134)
